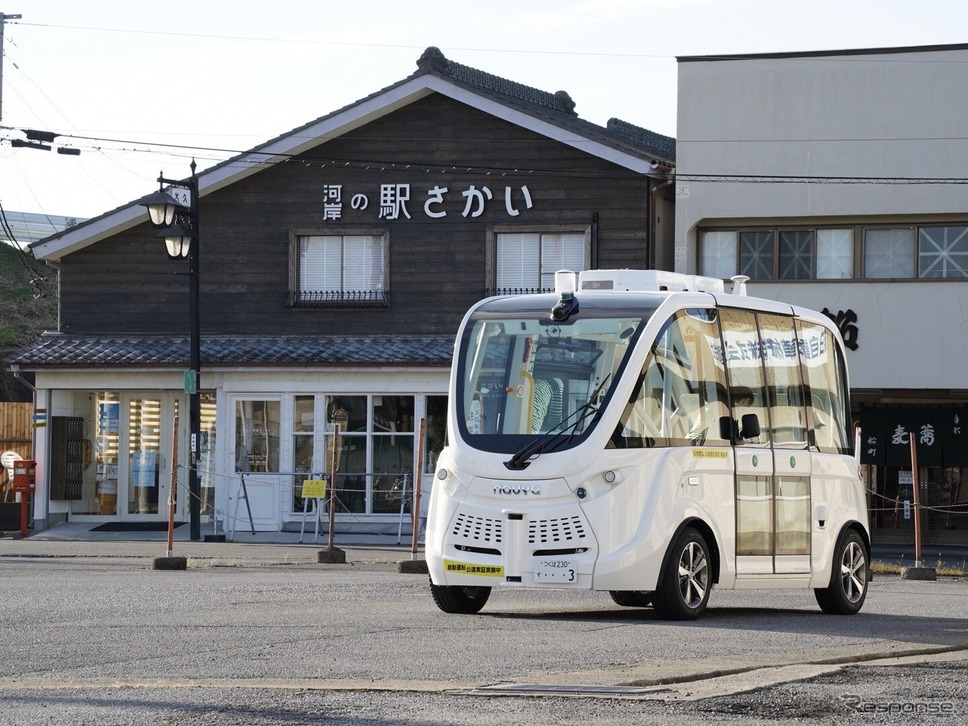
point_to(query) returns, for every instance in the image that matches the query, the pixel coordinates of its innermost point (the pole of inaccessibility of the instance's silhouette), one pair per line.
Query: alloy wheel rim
(692, 575)
(853, 571)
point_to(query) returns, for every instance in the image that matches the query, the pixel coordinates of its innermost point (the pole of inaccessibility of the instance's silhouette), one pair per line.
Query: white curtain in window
(889, 253)
(835, 254)
(718, 254)
(344, 264)
(362, 263)
(320, 263)
(517, 261)
(564, 251)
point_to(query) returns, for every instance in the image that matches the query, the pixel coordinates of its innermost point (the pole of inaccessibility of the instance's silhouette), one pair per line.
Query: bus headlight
(609, 477)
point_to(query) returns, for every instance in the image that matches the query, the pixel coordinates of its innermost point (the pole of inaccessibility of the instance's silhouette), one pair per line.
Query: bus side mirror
(751, 426)
(726, 428)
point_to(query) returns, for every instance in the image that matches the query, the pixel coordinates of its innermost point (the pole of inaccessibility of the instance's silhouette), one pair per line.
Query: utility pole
(3, 19)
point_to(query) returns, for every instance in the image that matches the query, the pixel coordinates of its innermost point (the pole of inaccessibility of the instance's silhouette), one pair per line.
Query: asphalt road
(110, 641)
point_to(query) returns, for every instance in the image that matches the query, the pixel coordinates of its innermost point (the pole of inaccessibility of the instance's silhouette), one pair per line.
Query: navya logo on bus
(515, 489)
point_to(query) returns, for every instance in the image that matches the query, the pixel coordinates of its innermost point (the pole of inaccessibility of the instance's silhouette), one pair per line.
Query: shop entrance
(940, 438)
(132, 455)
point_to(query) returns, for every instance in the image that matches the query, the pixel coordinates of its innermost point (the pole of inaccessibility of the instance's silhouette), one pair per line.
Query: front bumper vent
(478, 530)
(556, 531)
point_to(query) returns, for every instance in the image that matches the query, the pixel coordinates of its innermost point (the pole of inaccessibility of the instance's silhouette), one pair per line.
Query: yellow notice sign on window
(313, 489)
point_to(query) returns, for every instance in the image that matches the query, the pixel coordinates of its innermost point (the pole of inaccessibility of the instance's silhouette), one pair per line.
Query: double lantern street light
(179, 224)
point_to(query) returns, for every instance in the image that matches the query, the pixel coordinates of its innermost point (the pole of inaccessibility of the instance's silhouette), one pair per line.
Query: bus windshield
(520, 374)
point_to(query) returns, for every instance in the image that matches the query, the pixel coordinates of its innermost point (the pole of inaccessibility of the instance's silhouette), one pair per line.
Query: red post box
(25, 476)
(24, 482)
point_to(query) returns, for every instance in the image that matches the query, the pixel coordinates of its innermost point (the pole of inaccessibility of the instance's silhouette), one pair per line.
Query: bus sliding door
(772, 463)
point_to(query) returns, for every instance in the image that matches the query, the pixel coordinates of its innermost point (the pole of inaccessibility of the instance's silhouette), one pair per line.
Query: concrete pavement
(72, 539)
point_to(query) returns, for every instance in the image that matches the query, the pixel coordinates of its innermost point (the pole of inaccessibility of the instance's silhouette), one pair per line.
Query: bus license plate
(555, 571)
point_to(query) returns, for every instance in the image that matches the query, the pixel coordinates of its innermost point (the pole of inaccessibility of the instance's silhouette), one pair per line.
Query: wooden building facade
(336, 262)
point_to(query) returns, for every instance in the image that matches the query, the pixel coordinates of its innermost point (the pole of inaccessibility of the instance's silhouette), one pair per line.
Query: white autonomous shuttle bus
(647, 434)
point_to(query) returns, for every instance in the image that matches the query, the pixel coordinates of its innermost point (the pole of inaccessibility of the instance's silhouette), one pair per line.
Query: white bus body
(651, 436)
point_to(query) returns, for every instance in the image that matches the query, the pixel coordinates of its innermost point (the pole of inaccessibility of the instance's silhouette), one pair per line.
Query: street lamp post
(179, 223)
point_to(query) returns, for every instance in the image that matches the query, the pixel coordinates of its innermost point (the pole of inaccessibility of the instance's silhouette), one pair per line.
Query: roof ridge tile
(434, 61)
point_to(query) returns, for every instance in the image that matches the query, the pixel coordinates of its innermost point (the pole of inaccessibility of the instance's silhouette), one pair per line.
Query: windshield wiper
(561, 433)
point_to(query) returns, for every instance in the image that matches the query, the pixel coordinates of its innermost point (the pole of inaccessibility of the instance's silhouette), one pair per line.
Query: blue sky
(129, 83)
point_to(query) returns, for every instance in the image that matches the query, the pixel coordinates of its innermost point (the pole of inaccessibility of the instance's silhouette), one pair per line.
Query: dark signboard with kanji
(939, 433)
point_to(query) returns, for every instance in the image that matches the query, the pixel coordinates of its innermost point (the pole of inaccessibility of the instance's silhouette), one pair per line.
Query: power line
(337, 43)
(260, 157)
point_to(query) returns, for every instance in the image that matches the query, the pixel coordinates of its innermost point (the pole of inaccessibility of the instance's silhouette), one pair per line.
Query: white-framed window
(377, 454)
(527, 261)
(338, 270)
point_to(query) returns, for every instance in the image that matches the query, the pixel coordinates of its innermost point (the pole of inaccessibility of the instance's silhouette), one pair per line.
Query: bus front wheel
(461, 600)
(683, 591)
(848, 582)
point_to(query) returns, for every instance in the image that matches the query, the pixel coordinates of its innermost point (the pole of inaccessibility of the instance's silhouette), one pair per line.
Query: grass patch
(894, 568)
(885, 568)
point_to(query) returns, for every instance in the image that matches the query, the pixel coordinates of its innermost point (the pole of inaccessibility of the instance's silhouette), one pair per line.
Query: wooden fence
(16, 428)
(16, 434)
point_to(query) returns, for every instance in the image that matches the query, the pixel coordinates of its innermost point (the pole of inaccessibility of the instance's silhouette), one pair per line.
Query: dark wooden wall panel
(126, 284)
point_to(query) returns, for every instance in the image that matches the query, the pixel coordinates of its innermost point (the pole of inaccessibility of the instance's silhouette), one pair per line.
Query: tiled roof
(433, 61)
(54, 350)
(558, 108)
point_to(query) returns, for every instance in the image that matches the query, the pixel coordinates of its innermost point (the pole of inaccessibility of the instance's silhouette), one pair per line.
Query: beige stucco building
(836, 180)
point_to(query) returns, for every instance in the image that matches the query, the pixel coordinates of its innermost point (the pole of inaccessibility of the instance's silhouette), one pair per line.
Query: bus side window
(783, 380)
(744, 353)
(824, 379)
(680, 397)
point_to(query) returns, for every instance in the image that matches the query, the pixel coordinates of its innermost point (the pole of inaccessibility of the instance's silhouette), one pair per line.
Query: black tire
(683, 591)
(461, 600)
(847, 590)
(631, 598)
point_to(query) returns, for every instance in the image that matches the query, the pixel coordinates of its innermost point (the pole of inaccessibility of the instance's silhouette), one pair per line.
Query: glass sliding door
(354, 458)
(206, 451)
(256, 441)
(393, 451)
(144, 452)
(131, 462)
(106, 446)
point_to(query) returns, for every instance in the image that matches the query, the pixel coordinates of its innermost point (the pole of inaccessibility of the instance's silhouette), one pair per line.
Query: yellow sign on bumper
(468, 568)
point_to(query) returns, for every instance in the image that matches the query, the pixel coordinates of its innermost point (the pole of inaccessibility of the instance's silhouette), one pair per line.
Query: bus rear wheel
(631, 598)
(848, 582)
(460, 600)
(683, 591)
